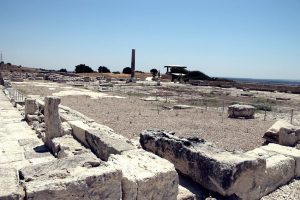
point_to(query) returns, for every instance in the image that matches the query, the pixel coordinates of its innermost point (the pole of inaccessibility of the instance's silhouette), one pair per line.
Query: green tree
(82, 68)
(103, 69)
(154, 72)
(127, 70)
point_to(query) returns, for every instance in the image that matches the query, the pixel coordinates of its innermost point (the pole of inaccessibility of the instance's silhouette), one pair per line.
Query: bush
(63, 70)
(103, 69)
(263, 107)
(153, 72)
(82, 68)
(197, 75)
(116, 72)
(127, 70)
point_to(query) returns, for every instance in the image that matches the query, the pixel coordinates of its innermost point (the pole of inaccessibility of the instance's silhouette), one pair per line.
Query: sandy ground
(129, 115)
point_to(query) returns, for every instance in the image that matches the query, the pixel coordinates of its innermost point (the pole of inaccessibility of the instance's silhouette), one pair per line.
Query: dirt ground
(130, 115)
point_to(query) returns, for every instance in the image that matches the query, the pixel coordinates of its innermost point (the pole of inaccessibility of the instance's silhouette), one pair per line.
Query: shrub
(82, 68)
(153, 72)
(103, 69)
(63, 70)
(127, 70)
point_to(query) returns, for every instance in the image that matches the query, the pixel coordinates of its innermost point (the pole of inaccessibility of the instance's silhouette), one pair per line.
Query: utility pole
(1, 58)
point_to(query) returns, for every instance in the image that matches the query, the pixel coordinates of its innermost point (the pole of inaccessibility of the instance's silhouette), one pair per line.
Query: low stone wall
(77, 141)
(249, 175)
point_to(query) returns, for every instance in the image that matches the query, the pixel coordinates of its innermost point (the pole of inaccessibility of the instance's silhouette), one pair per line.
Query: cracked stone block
(102, 182)
(9, 185)
(146, 176)
(104, 142)
(228, 173)
(287, 151)
(66, 146)
(280, 170)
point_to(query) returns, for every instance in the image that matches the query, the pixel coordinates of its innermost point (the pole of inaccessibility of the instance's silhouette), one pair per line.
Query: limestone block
(9, 185)
(280, 170)
(66, 146)
(66, 128)
(43, 169)
(102, 182)
(104, 142)
(146, 176)
(52, 120)
(228, 173)
(282, 132)
(287, 151)
(79, 128)
(237, 110)
(185, 194)
(31, 106)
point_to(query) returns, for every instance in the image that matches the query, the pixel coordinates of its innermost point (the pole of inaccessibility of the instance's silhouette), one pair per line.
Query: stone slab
(146, 176)
(287, 151)
(228, 173)
(9, 185)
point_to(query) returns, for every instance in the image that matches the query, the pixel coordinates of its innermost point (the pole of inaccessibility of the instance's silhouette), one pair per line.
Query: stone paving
(19, 147)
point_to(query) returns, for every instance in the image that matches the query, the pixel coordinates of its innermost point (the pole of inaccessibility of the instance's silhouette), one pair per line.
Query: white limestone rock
(237, 111)
(287, 151)
(9, 185)
(146, 176)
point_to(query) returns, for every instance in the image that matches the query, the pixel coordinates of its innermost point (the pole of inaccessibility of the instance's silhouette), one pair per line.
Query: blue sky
(225, 38)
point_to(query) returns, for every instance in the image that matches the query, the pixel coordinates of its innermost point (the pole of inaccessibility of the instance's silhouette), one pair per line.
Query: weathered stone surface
(284, 133)
(182, 107)
(31, 106)
(104, 142)
(228, 173)
(237, 110)
(146, 176)
(280, 170)
(67, 146)
(185, 194)
(66, 128)
(9, 185)
(79, 128)
(103, 182)
(43, 169)
(52, 120)
(287, 151)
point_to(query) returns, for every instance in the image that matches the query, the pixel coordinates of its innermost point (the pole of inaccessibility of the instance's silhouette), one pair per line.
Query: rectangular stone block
(103, 182)
(287, 151)
(280, 170)
(146, 176)
(104, 142)
(9, 185)
(79, 128)
(228, 173)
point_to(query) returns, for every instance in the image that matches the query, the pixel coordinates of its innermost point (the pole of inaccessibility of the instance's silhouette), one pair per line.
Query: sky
(222, 38)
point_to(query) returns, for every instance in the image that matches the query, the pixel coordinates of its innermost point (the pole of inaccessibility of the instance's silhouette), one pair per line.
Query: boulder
(146, 176)
(284, 133)
(228, 173)
(244, 111)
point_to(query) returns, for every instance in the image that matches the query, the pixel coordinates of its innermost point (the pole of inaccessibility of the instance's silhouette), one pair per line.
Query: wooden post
(265, 116)
(292, 114)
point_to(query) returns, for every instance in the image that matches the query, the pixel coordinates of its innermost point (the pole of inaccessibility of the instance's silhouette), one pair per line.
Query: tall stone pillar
(52, 120)
(133, 65)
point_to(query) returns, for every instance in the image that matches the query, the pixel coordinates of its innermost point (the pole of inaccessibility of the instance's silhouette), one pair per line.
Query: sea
(267, 81)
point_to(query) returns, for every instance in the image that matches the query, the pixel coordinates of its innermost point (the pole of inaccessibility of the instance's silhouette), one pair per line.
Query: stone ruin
(90, 161)
(241, 111)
